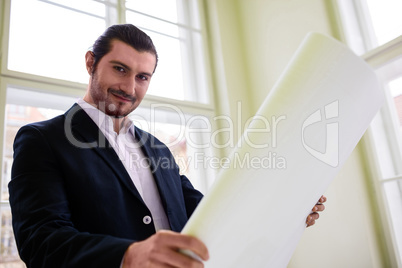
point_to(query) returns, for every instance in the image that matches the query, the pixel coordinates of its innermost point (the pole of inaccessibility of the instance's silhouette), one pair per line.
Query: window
(45, 45)
(174, 27)
(385, 19)
(387, 147)
(186, 134)
(43, 73)
(22, 107)
(373, 29)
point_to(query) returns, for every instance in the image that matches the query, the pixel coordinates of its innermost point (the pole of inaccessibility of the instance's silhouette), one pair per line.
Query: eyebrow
(128, 68)
(120, 63)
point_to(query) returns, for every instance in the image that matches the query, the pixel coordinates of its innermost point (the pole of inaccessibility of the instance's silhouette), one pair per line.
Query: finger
(311, 218)
(323, 199)
(173, 258)
(310, 223)
(194, 245)
(318, 207)
(314, 216)
(179, 241)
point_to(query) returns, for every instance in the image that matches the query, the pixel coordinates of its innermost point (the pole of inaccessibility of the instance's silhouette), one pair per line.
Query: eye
(142, 77)
(119, 69)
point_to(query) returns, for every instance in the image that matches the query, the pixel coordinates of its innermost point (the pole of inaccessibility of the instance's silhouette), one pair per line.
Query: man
(77, 196)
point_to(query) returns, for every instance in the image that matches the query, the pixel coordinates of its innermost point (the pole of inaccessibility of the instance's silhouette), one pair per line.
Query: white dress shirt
(137, 165)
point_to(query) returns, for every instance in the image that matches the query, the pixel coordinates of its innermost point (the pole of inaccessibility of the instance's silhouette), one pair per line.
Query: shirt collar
(104, 121)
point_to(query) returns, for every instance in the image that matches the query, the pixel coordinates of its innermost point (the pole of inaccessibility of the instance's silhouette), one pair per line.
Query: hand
(162, 250)
(313, 216)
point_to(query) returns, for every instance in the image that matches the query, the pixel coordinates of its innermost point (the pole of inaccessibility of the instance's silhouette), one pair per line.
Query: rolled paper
(308, 125)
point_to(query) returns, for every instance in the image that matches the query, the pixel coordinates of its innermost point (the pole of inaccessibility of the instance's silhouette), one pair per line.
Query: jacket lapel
(87, 135)
(169, 191)
(146, 141)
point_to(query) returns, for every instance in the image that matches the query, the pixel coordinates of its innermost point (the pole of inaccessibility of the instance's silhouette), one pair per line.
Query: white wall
(258, 38)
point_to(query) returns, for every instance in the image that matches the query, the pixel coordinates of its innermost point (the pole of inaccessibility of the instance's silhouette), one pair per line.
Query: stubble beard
(102, 99)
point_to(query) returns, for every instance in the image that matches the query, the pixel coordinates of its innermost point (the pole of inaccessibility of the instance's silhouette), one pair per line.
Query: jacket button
(147, 219)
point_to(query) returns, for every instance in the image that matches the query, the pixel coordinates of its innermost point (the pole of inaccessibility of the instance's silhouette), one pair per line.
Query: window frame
(69, 88)
(119, 17)
(377, 58)
(11, 78)
(356, 31)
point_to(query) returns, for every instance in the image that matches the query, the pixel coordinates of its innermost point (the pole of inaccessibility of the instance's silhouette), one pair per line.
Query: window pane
(16, 117)
(23, 107)
(164, 9)
(386, 129)
(9, 257)
(49, 40)
(369, 24)
(187, 136)
(386, 19)
(395, 87)
(387, 125)
(168, 79)
(89, 6)
(152, 24)
(181, 71)
(171, 135)
(168, 124)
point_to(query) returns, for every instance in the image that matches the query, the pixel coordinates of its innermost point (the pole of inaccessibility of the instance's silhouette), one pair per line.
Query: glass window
(168, 80)
(57, 49)
(163, 9)
(386, 19)
(379, 27)
(387, 126)
(178, 39)
(50, 39)
(8, 251)
(387, 133)
(24, 107)
(19, 113)
(186, 135)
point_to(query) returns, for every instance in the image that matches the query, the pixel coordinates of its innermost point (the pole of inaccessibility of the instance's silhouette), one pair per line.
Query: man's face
(120, 80)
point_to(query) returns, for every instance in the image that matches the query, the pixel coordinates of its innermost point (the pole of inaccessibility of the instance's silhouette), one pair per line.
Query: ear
(89, 61)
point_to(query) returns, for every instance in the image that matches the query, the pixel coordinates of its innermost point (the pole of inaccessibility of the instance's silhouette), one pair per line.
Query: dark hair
(126, 33)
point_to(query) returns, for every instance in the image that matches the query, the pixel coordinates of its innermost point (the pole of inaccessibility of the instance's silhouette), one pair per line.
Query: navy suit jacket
(73, 202)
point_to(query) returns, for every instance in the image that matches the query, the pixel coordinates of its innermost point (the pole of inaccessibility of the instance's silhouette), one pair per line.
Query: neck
(118, 123)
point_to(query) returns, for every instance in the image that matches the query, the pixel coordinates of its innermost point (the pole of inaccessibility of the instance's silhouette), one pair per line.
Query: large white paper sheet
(313, 118)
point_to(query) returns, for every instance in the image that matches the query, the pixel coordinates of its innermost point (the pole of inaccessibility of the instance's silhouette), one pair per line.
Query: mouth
(122, 96)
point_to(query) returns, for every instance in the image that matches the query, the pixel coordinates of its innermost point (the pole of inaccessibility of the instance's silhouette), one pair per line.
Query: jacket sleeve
(191, 196)
(44, 232)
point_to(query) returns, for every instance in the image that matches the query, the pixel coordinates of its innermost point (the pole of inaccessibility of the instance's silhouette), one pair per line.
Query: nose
(128, 86)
